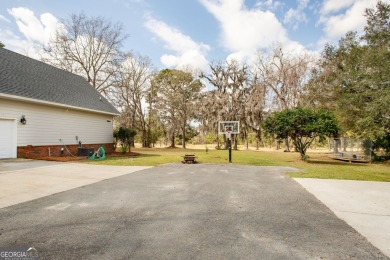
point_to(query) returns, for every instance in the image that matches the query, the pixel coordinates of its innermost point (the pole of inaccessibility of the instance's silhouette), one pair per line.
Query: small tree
(1, 45)
(382, 147)
(175, 95)
(302, 125)
(125, 137)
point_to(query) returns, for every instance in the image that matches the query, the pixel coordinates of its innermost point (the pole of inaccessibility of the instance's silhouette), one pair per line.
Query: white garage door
(7, 138)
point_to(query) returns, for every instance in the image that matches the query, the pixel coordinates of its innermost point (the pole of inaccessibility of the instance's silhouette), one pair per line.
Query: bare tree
(132, 83)
(285, 74)
(208, 114)
(238, 96)
(88, 46)
(230, 81)
(255, 106)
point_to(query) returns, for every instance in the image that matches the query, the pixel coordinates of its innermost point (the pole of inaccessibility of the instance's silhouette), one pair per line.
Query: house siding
(46, 125)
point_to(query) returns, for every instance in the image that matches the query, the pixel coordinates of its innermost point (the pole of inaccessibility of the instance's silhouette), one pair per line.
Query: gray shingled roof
(29, 78)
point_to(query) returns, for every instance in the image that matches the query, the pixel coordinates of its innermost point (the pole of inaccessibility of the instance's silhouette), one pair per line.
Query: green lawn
(319, 165)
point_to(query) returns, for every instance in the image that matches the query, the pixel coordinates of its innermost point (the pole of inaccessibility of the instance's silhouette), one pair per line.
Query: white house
(44, 109)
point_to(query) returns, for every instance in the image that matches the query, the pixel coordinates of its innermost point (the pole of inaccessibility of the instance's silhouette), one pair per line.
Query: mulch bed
(61, 158)
(71, 159)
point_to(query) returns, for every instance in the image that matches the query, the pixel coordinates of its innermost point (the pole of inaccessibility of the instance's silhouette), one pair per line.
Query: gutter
(37, 101)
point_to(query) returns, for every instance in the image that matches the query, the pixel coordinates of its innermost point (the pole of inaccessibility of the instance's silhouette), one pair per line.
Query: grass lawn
(319, 165)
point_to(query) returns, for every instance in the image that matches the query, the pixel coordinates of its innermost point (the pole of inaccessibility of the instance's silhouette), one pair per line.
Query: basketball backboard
(231, 127)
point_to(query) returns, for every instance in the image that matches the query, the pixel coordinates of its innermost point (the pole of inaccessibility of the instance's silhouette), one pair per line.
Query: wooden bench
(189, 158)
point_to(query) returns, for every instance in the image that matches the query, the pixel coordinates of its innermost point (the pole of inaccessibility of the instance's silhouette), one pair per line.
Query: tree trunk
(303, 155)
(287, 149)
(344, 143)
(144, 138)
(336, 145)
(184, 137)
(246, 140)
(226, 142)
(301, 148)
(149, 124)
(258, 139)
(173, 140)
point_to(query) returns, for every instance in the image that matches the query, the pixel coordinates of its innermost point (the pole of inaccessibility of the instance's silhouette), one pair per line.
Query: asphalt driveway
(185, 212)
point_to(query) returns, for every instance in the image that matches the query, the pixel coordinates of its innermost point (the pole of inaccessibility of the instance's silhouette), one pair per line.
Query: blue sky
(175, 33)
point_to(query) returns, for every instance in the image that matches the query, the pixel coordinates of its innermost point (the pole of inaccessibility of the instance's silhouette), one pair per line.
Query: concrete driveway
(364, 205)
(24, 180)
(185, 212)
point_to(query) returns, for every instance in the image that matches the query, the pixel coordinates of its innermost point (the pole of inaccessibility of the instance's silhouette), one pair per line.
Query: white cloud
(130, 3)
(34, 29)
(302, 3)
(296, 16)
(330, 6)
(15, 43)
(268, 4)
(4, 19)
(246, 30)
(339, 17)
(187, 51)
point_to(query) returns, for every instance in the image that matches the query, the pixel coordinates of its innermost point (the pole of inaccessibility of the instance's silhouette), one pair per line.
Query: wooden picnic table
(189, 158)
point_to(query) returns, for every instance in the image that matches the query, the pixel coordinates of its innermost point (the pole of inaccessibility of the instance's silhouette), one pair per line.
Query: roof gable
(28, 78)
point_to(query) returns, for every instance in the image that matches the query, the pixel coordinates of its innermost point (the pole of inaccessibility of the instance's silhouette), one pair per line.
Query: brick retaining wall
(33, 152)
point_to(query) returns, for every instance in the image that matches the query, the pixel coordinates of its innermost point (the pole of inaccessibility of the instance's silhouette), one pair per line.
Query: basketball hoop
(228, 134)
(228, 128)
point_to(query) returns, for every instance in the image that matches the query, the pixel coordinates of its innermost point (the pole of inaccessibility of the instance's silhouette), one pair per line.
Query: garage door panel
(7, 138)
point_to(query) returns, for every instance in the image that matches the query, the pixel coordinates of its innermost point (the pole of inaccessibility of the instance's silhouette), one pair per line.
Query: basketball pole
(228, 135)
(230, 151)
